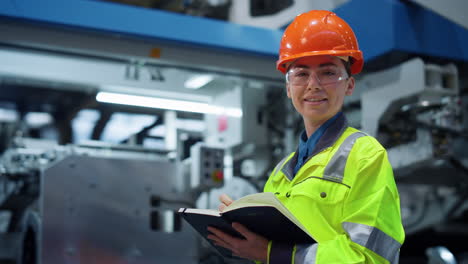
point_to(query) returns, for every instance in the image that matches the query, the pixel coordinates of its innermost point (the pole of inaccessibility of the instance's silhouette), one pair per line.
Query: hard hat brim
(356, 66)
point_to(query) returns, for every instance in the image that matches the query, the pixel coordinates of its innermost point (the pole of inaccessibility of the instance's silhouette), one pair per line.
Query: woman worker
(338, 183)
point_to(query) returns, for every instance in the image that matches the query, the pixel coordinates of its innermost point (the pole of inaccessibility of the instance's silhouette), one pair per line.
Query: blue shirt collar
(303, 138)
(307, 145)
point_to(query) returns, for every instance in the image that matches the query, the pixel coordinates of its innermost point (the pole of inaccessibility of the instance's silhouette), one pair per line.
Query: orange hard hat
(319, 32)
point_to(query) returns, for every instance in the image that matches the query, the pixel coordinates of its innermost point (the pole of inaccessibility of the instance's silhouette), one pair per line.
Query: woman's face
(317, 86)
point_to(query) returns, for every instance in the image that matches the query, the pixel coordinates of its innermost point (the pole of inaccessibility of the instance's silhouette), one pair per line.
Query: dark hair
(347, 65)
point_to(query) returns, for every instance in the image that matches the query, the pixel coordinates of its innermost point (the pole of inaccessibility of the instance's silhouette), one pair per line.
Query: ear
(288, 90)
(350, 86)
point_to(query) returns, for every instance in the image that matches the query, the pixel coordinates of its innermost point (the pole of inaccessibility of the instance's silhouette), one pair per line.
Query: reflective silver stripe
(374, 239)
(305, 253)
(335, 167)
(397, 258)
(280, 164)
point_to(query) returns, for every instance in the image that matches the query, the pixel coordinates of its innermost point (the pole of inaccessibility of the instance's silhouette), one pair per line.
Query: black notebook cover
(266, 221)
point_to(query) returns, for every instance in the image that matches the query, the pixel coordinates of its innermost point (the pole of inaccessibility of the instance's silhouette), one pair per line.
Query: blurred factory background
(113, 114)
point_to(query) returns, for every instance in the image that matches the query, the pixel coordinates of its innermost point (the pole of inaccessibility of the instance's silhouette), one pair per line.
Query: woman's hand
(225, 202)
(253, 247)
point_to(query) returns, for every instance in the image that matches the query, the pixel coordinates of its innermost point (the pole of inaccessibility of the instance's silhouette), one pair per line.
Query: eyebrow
(320, 65)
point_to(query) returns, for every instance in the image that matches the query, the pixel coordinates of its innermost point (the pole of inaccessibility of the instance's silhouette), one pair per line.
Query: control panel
(206, 167)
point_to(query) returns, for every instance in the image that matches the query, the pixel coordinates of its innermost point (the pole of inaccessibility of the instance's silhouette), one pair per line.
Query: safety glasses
(324, 76)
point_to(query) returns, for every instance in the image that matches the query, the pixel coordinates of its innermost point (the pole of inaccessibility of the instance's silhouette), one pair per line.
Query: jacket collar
(331, 135)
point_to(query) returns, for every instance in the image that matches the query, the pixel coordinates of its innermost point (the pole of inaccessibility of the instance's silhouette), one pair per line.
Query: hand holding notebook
(261, 213)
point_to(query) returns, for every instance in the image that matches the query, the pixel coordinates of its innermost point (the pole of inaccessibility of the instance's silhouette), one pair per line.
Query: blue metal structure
(150, 24)
(382, 26)
(391, 25)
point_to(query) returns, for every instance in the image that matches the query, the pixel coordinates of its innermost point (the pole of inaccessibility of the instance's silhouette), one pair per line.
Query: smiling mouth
(315, 100)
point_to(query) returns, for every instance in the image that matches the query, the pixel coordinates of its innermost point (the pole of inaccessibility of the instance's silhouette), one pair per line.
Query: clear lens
(324, 76)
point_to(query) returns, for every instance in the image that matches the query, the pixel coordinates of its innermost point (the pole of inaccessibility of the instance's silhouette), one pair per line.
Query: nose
(313, 82)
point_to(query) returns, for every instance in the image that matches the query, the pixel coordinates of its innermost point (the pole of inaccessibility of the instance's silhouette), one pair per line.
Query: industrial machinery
(87, 177)
(99, 204)
(419, 113)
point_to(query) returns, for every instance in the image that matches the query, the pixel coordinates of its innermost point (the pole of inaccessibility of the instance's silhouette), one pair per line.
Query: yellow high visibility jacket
(345, 195)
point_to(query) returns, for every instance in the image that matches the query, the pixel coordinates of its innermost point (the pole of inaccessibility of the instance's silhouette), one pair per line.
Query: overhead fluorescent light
(198, 81)
(170, 104)
(8, 115)
(38, 119)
